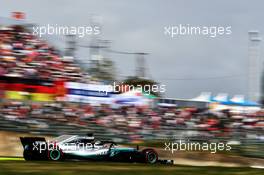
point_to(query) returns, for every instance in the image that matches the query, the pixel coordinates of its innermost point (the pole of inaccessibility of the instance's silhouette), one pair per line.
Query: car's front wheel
(151, 156)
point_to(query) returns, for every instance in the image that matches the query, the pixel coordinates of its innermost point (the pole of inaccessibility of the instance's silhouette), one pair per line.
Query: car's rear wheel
(27, 155)
(55, 155)
(151, 156)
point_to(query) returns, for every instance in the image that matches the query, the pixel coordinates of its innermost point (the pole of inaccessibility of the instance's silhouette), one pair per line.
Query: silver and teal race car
(74, 147)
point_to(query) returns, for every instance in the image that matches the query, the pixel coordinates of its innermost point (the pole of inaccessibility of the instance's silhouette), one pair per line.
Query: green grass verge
(100, 168)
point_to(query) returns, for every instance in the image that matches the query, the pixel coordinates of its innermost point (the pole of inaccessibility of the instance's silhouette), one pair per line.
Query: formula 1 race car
(74, 147)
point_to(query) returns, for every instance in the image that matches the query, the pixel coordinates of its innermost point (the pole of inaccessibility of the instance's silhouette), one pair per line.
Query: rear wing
(30, 140)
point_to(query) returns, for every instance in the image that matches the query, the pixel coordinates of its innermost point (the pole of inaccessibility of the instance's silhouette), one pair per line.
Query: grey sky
(138, 26)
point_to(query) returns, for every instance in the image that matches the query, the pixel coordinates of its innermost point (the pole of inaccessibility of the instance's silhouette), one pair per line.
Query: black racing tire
(151, 156)
(55, 155)
(27, 155)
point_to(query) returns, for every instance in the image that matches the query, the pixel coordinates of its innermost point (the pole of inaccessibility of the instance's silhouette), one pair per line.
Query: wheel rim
(152, 157)
(55, 154)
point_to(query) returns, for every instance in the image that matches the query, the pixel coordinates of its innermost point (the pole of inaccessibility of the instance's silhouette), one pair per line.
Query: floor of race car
(9, 165)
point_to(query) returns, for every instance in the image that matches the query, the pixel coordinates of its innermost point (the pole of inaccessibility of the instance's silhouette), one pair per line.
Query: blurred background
(53, 85)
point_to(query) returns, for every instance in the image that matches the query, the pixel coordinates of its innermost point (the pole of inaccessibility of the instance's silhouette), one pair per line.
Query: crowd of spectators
(24, 55)
(137, 120)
